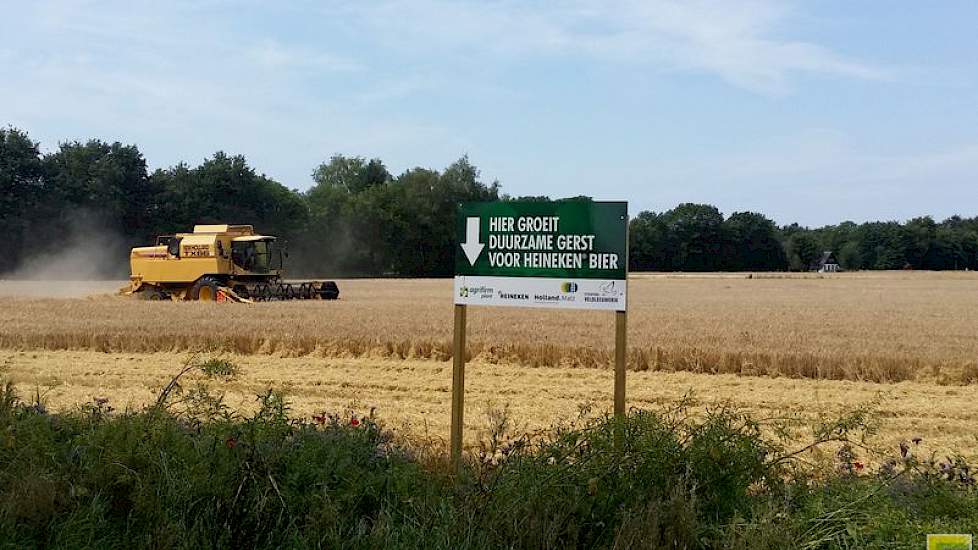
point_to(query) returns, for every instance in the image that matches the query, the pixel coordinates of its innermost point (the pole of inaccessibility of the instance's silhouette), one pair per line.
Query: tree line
(360, 219)
(696, 237)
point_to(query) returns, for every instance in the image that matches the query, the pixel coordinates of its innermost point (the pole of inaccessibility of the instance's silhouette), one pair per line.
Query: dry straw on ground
(414, 396)
(912, 336)
(877, 326)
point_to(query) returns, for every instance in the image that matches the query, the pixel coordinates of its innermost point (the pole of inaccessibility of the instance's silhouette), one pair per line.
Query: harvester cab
(218, 263)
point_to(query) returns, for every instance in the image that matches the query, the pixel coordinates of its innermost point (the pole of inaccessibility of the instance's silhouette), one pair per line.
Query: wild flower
(100, 407)
(847, 462)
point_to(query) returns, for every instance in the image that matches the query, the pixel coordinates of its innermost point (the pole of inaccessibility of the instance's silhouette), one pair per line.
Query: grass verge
(188, 472)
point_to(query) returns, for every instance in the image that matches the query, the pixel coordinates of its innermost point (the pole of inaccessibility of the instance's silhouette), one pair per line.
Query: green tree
(358, 219)
(802, 250)
(648, 243)
(351, 174)
(106, 181)
(341, 236)
(922, 251)
(224, 189)
(882, 245)
(695, 237)
(849, 257)
(96, 202)
(364, 222)
(423, 219)
(840, 240)
(752, 243)
(21, 173)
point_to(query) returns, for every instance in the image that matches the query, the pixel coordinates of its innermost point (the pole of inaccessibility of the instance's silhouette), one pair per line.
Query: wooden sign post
(564, 255)
(458, 384)
(621, 346)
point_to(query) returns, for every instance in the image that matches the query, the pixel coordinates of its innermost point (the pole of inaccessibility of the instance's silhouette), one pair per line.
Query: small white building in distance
(826, 263)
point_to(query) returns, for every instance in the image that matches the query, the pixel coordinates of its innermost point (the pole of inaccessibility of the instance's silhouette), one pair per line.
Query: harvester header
(218, 262)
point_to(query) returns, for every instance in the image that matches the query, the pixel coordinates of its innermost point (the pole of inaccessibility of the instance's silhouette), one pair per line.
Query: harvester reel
(268, 292)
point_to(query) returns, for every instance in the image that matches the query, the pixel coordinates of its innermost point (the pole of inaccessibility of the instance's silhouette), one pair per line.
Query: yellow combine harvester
(218, 263)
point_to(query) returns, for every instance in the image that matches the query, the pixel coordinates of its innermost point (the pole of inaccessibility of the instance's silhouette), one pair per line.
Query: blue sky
(813, 112)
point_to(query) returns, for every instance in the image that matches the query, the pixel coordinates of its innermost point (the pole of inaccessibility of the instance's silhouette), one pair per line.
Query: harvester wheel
(205, 289)
(157, 296)
(329, 291)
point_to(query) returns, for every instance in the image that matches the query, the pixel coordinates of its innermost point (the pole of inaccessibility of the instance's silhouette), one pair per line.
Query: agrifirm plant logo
(476, 292)
(948, 542)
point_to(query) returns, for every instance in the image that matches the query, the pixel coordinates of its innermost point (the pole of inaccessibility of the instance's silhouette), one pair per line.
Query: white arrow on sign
(472, 247)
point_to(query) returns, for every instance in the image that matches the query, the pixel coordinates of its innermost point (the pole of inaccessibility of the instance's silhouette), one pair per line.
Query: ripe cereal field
(884, 327)
(771, 344)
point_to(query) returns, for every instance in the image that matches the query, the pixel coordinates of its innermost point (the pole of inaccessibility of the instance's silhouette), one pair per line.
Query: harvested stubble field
(414, 396)
(772, 345)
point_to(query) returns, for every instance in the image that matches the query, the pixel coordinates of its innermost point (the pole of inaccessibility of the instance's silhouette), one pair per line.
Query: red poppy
(320, 418)
(354, 422)
(231, 443)
(858, 465)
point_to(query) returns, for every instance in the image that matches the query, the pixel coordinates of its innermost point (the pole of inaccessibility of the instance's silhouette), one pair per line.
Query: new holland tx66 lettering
(218, 263)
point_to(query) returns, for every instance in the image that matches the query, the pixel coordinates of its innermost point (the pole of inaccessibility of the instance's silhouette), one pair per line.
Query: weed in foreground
(178, 475)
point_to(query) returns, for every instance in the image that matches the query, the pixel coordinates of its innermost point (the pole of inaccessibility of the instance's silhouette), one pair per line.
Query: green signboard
(571, 254)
